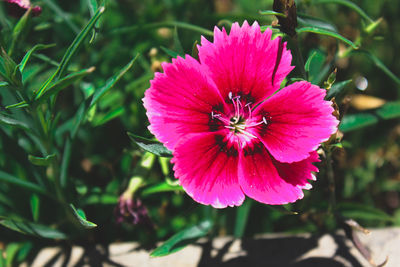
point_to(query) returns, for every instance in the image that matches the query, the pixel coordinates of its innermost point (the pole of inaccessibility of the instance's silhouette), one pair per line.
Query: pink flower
(232, 133)
(17, 8)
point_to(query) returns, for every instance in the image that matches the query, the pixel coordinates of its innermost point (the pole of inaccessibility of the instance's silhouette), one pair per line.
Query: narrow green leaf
(66, 157)
(72, 49)
(358, 211)
(273, 13)
(390, 110)
(177, 43)
(11, 252)
(19, 27)
(328, 33)
(353, 122)
(182, 239)
(42, 161)
(61, 84)
(109, 116)
(13, 122)
(35, 207)
(308, 21)
(21, 104)
(8, 178)
(111, 82)
(337, 89)
(27, 56)
(378, 63)
(30, 228)
(347, 3)
(80, 216)
(169, 52)
(78, 42)
(92, 4)
(3, 84)
(160, 188)
(242, 215)
(151, 146)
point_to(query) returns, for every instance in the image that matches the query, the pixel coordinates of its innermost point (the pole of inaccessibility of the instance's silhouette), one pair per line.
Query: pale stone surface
(272, 250)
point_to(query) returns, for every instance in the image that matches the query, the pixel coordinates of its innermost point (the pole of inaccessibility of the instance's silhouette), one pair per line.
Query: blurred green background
(102, 158)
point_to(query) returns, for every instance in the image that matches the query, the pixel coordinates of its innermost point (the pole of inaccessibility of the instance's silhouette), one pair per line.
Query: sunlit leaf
(151, 146)
(34, 229)
(353, 122)
(390, 110)
(337, 89)
(160, 188)
(42, 161)
(182, 239)
(81, 217)
(322, 31)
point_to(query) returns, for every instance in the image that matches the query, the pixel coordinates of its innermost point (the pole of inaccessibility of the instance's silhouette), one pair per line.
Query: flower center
(240, 119)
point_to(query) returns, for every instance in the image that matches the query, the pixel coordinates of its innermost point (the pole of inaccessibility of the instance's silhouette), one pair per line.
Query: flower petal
(270, 183)
(207, 170)
(179, 101)
(246, 61)
(299, 119)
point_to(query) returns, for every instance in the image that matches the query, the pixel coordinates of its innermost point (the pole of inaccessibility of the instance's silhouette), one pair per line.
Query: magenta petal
(179, 101)
(207, 170)
(299, 119)
(298, 173)
(270, 183)
(246, 62)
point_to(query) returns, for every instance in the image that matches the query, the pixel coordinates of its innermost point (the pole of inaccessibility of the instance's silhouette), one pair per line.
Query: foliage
(73, 128)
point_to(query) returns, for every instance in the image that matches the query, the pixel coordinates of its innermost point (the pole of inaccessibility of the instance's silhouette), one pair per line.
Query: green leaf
(272, 13)
(3, 84)
(30, 228)
(314, 65)
(80, 215)
(27, 56)
(21, 104)
(56, 87)
(390, 110)
(337, 89)
(151, 146)
(160, 188)
(19, 27)
(8, 178)
(111, 82)
(42, 161)
(35, 207)
(11, 252)
(72, 49)
(378, 63)
(93, 6)
(177, 43)
(182, 239)
(109, 116)
(169, 52)
(308, 21)
(328, 33)
(242, 215)
(358, 211)
(13, 122)
(9, 70)
(353, 122)
(347, 3)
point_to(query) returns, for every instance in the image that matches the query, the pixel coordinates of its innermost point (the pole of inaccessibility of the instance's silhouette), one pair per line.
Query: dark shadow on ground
(265, 252)
(277, 252)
